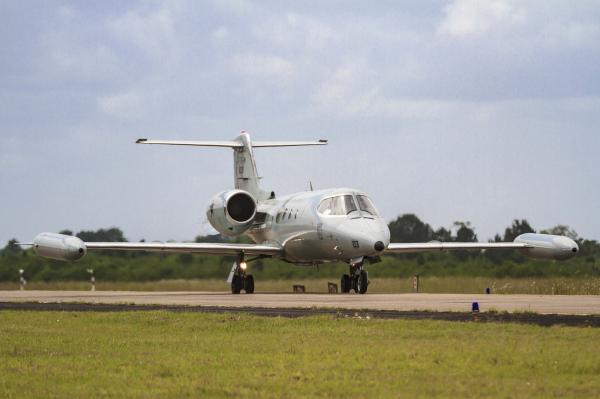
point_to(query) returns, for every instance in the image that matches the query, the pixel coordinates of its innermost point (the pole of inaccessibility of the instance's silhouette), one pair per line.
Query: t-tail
(245, 174)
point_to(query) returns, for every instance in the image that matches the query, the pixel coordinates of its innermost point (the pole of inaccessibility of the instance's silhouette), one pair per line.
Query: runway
(541, 304)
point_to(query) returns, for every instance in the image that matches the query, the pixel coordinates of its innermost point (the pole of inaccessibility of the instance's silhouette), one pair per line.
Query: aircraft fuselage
(311, 233)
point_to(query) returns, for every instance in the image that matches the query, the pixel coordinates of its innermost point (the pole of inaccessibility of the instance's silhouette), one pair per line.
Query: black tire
(362, 282)
(345, 284)
(236, 284)
(249, 284)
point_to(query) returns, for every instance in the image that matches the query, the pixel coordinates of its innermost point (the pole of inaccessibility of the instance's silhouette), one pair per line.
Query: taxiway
(541, 304)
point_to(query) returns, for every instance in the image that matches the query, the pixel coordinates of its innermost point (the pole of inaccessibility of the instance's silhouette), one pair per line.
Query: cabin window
(366, 205)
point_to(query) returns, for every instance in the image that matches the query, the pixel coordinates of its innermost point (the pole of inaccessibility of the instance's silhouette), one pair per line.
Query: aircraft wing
(185, 247)
(70, 248)
(405, 248)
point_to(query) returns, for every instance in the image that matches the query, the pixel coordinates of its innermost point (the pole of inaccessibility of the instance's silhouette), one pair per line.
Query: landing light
(243, 265)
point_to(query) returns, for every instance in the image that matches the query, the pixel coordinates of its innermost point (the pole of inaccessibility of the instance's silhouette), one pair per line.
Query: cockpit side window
(325, 207)
(366, 205)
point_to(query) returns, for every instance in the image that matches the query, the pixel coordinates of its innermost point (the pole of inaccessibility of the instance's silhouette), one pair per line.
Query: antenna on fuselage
(310, 185)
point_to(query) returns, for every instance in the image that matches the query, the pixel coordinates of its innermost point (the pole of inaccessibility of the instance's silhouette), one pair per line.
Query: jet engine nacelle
(59, 246)
(546, 246)
(232, 212)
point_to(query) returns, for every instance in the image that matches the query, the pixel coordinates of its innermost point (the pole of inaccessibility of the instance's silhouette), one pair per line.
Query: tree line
(141, 266)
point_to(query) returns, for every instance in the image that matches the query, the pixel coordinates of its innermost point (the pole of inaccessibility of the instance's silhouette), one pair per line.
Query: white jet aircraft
(306, 228)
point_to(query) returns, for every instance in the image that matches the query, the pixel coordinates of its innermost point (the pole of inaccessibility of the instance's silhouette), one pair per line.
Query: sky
(480, 111)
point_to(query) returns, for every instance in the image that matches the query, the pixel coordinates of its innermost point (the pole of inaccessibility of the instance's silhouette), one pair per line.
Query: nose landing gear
(357, 280)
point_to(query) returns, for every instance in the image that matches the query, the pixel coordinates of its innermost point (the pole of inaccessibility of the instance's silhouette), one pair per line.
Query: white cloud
(153, 32)
(351, 91)
(473, 17)
(263, 66)
(69, 59)
(296, 31)
(355, 91)
(67, 13)
(220, 33)
(128, 105)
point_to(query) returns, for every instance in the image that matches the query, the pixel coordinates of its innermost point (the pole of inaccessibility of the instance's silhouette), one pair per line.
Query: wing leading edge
(405, 248)
(184, 247)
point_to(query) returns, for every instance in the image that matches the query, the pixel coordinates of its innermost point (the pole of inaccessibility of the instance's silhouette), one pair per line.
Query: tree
(12, 247)
(562, 230)
(465, 233)
(517, 228)
(212, 238)
(112, 234)
(409, 228)
(66, 232)
(442, 235)
(589, 248)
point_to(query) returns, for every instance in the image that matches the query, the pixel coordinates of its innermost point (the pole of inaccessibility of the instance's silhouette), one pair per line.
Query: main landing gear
(239, 279)
(357, 280)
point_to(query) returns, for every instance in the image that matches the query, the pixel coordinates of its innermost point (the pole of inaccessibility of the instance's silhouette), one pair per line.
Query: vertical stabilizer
(245, 173)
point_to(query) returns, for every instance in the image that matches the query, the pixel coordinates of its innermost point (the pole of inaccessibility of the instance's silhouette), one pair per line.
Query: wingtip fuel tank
(59, 246)
(547, 246)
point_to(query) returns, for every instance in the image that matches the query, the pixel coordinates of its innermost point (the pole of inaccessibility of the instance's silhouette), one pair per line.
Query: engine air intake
(241, 207)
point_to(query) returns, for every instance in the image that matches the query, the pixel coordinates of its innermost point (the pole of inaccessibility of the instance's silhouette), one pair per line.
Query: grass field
(161, 354)
(466, 285)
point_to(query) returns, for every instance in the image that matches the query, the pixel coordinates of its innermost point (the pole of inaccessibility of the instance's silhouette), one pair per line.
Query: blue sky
(453, 110)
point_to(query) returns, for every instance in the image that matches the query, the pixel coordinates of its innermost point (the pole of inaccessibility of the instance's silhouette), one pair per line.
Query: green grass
(448, 284)
(161, 354)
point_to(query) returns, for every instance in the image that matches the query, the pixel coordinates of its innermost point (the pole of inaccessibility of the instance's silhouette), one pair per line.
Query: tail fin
(245, 174)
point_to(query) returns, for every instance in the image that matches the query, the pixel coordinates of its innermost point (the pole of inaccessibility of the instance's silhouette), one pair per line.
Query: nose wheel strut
(357, 279)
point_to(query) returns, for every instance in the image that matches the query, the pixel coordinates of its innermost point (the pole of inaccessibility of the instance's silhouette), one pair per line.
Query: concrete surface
(543, 304)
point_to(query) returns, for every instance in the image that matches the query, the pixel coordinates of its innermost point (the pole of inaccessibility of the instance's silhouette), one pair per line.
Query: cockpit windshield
(340, 205)
(366, 205)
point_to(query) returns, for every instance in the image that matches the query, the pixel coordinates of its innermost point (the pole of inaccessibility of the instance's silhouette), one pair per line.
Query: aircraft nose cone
(379, 246)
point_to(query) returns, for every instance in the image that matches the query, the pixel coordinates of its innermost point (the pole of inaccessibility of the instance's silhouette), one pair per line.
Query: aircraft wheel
(236, 284)
(345, 283)
(362, 282)
(249, 284)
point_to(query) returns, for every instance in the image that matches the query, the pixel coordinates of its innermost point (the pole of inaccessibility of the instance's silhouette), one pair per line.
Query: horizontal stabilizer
(232, 144)
(228, 144)
(287, 143)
